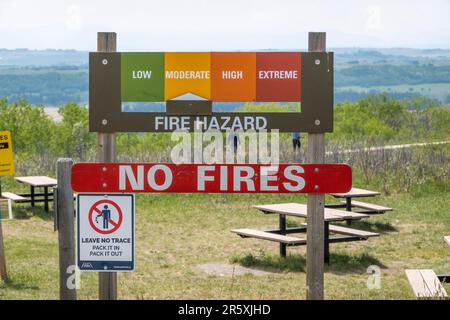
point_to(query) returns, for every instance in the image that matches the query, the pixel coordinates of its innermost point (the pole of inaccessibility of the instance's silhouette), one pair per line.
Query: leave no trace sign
(105, 232)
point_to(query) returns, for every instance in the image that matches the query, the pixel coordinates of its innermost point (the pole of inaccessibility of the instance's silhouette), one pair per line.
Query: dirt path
(392, 147)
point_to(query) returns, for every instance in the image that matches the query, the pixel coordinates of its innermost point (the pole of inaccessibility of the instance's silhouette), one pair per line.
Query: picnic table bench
(282, 234)
(426, 284)
(12, 196)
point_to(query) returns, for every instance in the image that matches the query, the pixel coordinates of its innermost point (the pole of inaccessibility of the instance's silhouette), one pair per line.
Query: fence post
(3, 273)
(316, 202)
(106, 152)
(66, 230)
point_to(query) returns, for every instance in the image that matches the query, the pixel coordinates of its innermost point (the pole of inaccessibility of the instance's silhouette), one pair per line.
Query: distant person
(296, 141)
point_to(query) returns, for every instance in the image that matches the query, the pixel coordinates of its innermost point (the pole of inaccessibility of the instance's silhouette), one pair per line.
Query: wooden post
(3, 273)
(106, 152)
(316, 202)
(66, 230)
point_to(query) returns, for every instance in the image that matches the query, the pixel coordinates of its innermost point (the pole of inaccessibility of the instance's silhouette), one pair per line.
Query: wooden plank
(447, 239)
(37, 181)
(352, 232)
(356, 192)
(3, 272)
(66, 228)
(269, 236)
(12, 196)
(106, 152)
(369, 206)
(417, 283)
(434, 285)
(315, 248)
(425, 284)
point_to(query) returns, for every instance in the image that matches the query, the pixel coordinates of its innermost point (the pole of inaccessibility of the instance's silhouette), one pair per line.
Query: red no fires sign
(214, 178)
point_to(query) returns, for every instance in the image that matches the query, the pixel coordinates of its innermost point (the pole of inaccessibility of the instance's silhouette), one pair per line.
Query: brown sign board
(315, 94)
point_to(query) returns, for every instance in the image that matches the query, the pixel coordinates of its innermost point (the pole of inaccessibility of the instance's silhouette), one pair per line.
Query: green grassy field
(177, 233)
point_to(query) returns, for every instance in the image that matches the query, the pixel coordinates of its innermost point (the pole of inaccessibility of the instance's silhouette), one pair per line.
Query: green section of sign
(142, 76)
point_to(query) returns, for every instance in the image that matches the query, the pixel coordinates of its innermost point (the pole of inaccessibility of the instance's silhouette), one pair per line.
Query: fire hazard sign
(105, 225)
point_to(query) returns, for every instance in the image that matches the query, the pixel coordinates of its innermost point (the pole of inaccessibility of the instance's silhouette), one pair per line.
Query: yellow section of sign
(6, 154)
(187, 75)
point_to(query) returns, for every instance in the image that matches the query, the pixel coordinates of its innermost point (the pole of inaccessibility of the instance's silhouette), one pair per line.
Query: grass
(176, 233)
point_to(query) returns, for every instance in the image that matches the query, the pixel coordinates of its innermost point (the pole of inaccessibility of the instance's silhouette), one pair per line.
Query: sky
(213, 25)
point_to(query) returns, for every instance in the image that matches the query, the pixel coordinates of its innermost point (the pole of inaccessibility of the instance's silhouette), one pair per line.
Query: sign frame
(105, 105)
(7, 153)
(106, 265)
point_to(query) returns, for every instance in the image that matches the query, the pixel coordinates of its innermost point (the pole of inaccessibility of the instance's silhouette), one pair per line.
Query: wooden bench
(425, 284)
(370, 207)
(251, 233)
(352, 232)
(13, 196)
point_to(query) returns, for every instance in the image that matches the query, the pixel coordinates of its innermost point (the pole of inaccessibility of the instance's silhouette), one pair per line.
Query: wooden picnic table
(348, 203)
(300, 210)
(38, 182)
(354, 193)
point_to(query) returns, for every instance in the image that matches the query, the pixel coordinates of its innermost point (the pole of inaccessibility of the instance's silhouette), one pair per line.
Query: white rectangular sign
(105, 224)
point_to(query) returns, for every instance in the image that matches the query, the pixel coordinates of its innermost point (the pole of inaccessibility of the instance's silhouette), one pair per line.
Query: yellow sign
(188, 75)
(6, 154)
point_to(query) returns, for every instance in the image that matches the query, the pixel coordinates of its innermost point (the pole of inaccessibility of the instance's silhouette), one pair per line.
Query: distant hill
(54, 77)
(50, 57)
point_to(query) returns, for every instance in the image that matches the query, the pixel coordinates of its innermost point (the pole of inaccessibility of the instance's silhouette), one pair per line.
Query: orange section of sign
(187, 75)
(233, 76)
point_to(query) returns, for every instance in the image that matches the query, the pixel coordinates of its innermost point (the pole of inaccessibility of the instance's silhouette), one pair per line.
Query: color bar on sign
(278, 76)
(142, 76)
(233, 76)
(187, 76)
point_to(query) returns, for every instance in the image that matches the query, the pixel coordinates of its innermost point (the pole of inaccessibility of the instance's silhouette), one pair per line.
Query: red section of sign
(115, 224)
(278, 76)
(216, 178)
